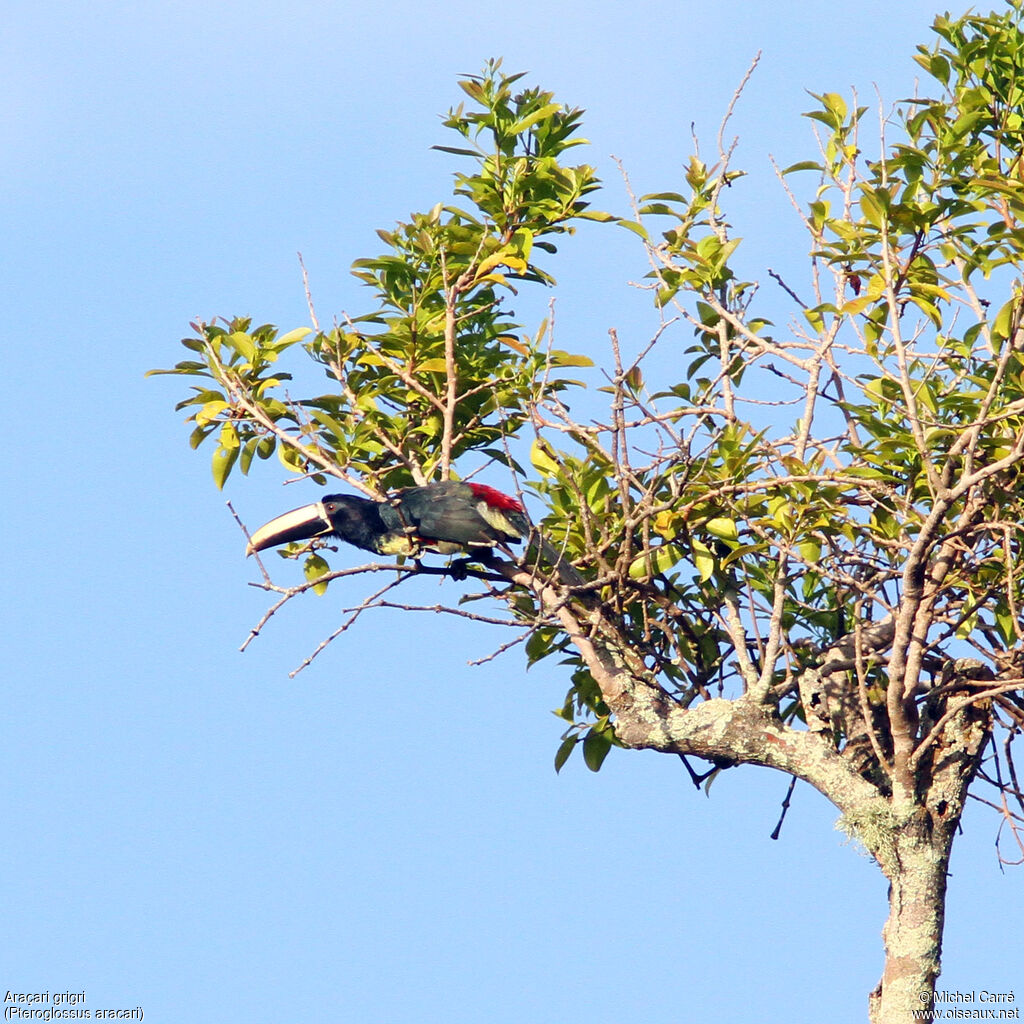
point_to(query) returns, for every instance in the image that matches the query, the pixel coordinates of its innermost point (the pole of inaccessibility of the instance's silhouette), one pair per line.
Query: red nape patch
(495, 498)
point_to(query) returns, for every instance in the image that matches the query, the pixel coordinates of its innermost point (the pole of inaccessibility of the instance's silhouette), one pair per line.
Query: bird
(450, 517)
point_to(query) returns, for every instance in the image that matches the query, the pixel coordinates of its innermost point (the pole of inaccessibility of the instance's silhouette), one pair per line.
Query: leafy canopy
(436, 370)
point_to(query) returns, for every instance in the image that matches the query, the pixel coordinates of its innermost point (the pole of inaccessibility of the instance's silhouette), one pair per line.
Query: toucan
(450, 517)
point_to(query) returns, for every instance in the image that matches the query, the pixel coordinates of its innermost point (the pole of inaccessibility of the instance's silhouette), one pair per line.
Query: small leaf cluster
(437, 368)
(517, 140)
(695, 254)
(234, 357)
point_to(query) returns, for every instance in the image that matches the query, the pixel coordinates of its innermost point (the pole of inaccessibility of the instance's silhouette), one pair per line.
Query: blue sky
(383, 838)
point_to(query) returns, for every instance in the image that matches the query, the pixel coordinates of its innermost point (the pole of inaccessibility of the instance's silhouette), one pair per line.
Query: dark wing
(443, 512)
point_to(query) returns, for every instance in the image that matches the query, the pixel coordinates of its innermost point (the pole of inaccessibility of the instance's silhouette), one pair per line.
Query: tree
(828, 581)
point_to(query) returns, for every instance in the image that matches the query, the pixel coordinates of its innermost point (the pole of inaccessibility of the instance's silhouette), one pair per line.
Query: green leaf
(1006, 624)
(723, 528)
(835, 103)
(313, 569)
(210, 412)
(814, 318)
(565, 749)
(542, 461)
(521, 125)
(596, 745)
(292, 337)
(243, 345)
(198, 436)
(855, 306)
(223, 460)
(810, 550)
(804, 165)
(229, 436)
(290, 458)
(704, 560)
(438, 365)
(457, 151)
(560, 358)
(636, 228)
(967, 627)
(1004, 319)
(655, 561)
(874, 204)
(246, 454)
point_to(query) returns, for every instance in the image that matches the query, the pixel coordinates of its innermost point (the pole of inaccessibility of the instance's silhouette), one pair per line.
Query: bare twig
(777, 831)
(309, 296)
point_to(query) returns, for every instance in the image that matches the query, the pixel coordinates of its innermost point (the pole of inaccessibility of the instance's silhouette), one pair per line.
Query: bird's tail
(566, 570)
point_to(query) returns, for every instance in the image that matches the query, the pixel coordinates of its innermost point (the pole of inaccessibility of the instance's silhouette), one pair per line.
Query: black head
(353, 519)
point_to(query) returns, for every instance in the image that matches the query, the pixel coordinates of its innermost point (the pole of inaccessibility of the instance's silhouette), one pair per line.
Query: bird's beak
(299, 524)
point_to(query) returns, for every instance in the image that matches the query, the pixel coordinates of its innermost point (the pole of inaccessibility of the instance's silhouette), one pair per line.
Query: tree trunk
(916, 869)
(904, 809)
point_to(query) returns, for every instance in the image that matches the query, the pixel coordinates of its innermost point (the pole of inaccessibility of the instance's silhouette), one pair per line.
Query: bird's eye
(330, 506)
